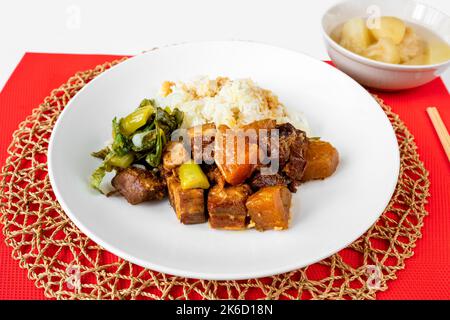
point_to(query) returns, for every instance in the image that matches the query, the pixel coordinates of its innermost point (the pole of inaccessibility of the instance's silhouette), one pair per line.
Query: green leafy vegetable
(121, 144)
(146, 102)
(140, 136)
(97, 177)
(101, 154)
(136, 119)
(120, 161)
(154, 158)
(144, 140)
(168, 121)
(163, 124)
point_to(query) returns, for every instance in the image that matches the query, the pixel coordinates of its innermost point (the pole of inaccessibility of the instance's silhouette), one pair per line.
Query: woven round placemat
(68, 265)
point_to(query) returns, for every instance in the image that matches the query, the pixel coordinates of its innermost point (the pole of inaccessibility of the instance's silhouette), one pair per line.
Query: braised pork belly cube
(293, 145)
(269, 208)
(202, 142)
(214, 175)
(226, 207)
(174, 155)
(189, 204)
(322, 160)
(138, 185)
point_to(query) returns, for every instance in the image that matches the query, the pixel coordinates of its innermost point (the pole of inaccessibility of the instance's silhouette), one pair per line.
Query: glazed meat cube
(292, 150)
(189, 204)
(269, 208)
(322, 160)
(174, 155)
(138, 185)
(214, 175)
(226, 207)
(202, 142)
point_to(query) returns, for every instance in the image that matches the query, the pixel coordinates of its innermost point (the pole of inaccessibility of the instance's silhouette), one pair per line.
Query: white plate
(327, 215)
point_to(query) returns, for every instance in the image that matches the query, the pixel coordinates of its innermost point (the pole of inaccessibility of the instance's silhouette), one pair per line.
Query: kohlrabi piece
(388, 27)
(355, 35)
(384, 50)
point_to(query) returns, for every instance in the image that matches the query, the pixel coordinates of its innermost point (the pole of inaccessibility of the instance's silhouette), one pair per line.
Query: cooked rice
(224, 101)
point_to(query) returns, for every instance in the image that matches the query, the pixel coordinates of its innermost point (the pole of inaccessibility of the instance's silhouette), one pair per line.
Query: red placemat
(426, 274)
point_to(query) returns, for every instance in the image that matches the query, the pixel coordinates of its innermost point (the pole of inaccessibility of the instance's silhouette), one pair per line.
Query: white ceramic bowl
(382, 75)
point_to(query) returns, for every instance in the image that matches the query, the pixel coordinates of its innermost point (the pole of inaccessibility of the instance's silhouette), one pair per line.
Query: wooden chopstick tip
(440, 129)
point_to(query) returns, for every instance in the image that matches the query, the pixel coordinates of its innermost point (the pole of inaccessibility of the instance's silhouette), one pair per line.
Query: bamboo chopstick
(440, 128)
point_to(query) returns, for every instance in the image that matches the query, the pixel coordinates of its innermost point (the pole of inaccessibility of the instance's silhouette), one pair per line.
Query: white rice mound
(224, 101)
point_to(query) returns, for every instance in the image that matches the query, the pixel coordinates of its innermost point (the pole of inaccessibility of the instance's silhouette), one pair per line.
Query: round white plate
(327, 215)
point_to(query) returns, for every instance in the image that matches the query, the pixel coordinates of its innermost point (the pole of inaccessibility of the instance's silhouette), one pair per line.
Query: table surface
(110, 27)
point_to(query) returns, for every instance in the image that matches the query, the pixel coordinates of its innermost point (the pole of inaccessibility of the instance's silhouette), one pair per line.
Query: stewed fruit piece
(269, 208)
(235, 162)
(322, 160)
(355, 35)
(388, 28)
(384, 50)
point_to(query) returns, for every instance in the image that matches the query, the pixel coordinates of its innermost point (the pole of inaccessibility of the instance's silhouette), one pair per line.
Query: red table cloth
(426, 275)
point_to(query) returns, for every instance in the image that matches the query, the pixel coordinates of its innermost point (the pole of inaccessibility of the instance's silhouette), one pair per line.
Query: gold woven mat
(52, 249)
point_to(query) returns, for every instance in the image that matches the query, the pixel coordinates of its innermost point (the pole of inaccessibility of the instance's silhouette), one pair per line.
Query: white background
(130, 27)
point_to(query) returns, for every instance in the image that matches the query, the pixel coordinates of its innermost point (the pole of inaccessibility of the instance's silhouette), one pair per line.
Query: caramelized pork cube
(202, 142)
(322, 160)
(138, 185)
(293, 145)
(269, 208)
(189, 204)
(226, 207)
(214, 175)
(174, 155)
